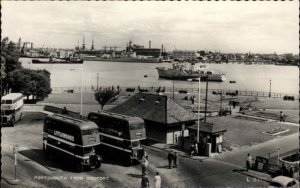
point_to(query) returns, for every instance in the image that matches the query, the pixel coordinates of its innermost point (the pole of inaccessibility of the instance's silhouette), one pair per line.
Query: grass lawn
(243, 133)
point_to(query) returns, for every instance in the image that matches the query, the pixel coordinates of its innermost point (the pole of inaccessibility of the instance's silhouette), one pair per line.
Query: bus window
(89, 132)
(6, 101)
(127, 144)
(87, 150)
(135, 144)
(6, 112)
(134, 126)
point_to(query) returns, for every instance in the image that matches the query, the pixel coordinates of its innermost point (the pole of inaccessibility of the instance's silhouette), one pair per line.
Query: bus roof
(81, 124)
(12, 96)
(119, 116)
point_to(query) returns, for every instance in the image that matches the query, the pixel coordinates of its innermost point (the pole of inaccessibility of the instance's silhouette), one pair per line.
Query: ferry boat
(179, 71)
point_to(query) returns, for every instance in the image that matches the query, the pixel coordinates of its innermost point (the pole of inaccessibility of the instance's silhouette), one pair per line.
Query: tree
(9, 61)
(30, 82)
(106, 95)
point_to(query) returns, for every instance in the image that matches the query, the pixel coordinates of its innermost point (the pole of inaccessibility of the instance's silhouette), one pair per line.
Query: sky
(256, 27)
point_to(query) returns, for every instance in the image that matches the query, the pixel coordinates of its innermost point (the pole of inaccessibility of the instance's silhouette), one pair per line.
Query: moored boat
(179, 72)
(58, 61)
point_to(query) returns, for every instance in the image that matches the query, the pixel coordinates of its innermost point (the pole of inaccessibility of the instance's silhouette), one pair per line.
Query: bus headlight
(87, 161)
(99, 158)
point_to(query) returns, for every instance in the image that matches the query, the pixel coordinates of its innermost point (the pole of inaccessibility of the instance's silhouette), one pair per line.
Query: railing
(180, 90)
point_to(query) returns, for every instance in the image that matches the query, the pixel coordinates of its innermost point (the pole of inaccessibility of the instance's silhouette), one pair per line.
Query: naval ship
(179, 71)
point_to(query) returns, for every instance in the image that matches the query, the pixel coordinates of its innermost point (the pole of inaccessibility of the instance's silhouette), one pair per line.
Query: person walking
(144, 166)
(281, 117)
(248, 162)
(291, 172)
(145, 181)
(175, 159)
(284, 170)
(196, 148)
(157, 180)
(170, 158)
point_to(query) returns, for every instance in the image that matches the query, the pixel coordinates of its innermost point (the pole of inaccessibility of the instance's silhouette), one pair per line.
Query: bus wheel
(79, 167)
(98, 164)
(12, 123)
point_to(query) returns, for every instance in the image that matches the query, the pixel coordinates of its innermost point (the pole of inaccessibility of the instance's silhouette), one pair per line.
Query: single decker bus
(120, 135)
(72, 139)
(11, 108)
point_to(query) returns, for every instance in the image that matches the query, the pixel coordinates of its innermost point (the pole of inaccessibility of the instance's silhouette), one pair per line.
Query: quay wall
(180, 90)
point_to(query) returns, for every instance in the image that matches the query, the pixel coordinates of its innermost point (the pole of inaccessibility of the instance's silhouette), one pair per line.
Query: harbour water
(284, 79)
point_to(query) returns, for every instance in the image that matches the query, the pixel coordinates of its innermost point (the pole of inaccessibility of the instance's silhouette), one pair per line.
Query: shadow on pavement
(52, 164)
(252, 174)
(164, 166)
(135, 175)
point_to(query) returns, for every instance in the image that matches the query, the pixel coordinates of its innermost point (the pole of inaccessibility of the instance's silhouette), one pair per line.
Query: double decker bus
(11, 108)
(120, 135)
(72, 139)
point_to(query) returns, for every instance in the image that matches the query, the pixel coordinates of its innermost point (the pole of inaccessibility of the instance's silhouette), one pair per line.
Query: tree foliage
(11, 54)
(107, 95)
(9, 61)
(30, 82)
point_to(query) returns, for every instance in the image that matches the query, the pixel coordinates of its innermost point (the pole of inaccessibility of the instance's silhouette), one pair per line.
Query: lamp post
(270, 87)
(80, 89)
(198, 125)
(206, 98)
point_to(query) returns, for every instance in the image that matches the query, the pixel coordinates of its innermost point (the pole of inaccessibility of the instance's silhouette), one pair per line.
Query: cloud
(188, 25)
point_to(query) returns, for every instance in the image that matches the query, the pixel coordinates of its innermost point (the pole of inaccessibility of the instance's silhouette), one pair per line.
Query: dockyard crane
(24, 47)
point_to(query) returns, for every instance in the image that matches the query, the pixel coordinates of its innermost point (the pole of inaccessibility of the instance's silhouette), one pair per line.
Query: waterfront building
(184, 54)
(208, 134)
(165, 119)
(142, 51)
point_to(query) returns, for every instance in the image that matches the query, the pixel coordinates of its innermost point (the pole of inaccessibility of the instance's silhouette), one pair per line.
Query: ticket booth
(208, 134)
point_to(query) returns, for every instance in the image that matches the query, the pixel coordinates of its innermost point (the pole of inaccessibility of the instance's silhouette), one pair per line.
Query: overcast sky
(262, 27)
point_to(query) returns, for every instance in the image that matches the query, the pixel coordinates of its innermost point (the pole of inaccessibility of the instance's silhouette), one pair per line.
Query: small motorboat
(232, 81)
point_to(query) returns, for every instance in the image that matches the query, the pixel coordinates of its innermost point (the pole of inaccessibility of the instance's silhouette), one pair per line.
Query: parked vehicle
(120, 135)
(11, 108)
(72, 139)
(284, 182)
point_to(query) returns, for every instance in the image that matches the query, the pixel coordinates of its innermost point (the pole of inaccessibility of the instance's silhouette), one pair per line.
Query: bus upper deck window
(135, 144)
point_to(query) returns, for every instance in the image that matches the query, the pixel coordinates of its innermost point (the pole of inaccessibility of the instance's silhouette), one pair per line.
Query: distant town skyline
(238, 27)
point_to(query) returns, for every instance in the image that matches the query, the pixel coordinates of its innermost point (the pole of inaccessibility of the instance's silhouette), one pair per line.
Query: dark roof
(157, 108)
(79, 123)
(207, 128)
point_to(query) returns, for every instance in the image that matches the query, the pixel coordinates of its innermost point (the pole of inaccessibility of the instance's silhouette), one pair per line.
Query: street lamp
(80, 89)
(198, 125)
(270, 87)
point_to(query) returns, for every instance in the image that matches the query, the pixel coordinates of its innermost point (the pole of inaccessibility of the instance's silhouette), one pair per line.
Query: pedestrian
(192, 150)
(144, 167)
(145, 181)
(145, 155)
(176, 139)
(284, 170)
(170, 158)
(64, 111)
(196, 149)
(281, 118)
(248, 162)
(157, 180)
(291, 172)
(175, 159)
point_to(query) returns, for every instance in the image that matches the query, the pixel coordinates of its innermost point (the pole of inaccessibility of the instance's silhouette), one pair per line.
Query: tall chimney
(149, 43)
(162, 48)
